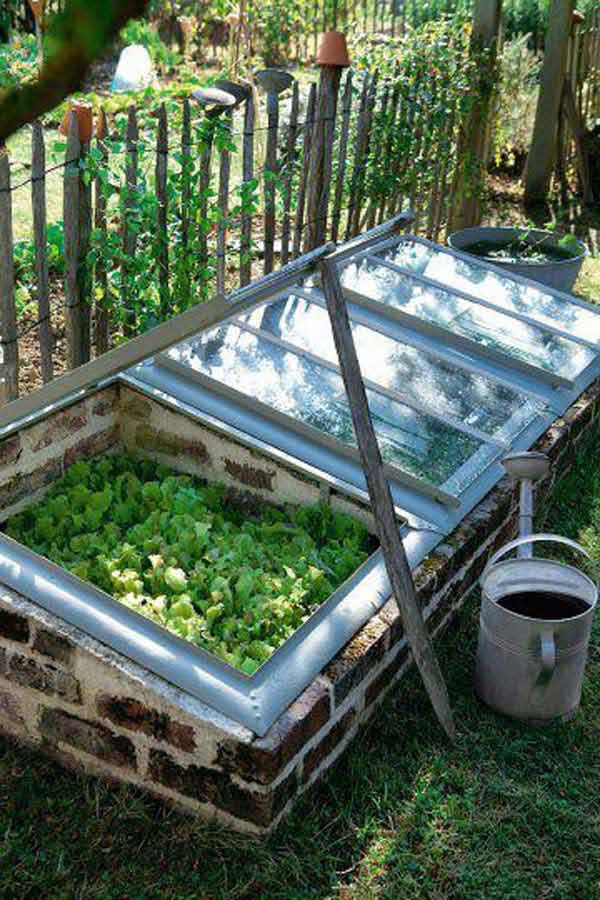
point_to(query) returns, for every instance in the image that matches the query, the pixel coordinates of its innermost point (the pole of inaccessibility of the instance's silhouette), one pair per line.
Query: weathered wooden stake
(162, 163)
(540, 160)
(101, 313)
(129, 235)
(382, 505)
(332, 58)
(9, 363)
(301, 200)
(223, 200)
(72, 224)
(38, 204)
(247, 176)
(290, 156)
(270, 174)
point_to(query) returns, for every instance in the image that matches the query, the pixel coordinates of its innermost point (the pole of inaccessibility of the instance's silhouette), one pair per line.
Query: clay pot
(37, 8)
(333, 50)
(85, 120)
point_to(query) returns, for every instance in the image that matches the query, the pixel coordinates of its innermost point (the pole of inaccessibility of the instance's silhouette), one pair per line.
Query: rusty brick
(44, 678)
(353, 663)
(159, 441)
(10, 707)
(327, 745)
(211, 786)
(21, 486)
(13, 626)
(266, 757)
(60, 425)
(251, 476)
(10, 450)
(106, 402)
(92, 445)
(53, 645)
(130, 713)
(91, 737)
(385, 677)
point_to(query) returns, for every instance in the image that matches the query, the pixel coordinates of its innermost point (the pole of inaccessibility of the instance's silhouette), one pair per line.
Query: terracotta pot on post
(85, 120)
(332, 57)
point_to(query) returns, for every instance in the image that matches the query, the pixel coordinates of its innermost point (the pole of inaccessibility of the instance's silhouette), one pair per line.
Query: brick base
(92, 709)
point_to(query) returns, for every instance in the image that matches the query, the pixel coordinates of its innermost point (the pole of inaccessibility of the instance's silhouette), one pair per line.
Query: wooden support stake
(101, 313)
(382, 505)
(340, 179)
(270, 174)
(38, 204)
(204, 190)
(224, 175)
(129, 236)
(301, 201)
(84, 279)
(290, 158)
(186, 199)
(9, 362)
(162, 212)
(321, 157)
(72, 224)
(247, 192)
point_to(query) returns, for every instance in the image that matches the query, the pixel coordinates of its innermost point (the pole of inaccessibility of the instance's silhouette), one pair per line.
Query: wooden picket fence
(198, 206)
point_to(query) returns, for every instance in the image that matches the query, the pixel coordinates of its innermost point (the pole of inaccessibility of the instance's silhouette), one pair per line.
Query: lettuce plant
(234, 578)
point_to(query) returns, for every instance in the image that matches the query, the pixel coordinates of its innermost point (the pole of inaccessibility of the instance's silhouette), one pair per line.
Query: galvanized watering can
(536, 619)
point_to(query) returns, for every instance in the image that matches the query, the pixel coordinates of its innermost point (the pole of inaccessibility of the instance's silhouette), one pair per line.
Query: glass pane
(447, 389)
(487, 327)
(312, 394)
(473, 278)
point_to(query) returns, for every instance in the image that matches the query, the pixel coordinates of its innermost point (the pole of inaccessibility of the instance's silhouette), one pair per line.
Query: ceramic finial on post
(332, 58)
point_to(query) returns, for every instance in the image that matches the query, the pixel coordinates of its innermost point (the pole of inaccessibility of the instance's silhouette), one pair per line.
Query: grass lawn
(507, 812)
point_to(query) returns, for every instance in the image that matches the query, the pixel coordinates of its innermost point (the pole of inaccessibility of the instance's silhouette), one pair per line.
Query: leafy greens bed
(233, 579)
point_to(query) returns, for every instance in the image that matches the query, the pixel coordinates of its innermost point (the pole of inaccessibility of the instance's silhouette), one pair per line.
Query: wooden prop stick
(381, 502)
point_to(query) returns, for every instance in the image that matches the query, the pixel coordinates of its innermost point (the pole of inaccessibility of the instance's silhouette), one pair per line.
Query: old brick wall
(33, 458)
(96, 711)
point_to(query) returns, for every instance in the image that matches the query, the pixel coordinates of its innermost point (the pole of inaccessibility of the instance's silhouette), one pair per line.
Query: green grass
(507, 812)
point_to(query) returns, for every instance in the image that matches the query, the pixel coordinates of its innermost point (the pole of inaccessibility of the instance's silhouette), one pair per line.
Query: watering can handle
(531, 539)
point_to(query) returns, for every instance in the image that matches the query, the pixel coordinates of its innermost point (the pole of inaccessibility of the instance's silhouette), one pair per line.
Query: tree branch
(75, 38)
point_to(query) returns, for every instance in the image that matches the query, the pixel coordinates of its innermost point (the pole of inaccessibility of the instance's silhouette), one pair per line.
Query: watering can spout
(526, 468)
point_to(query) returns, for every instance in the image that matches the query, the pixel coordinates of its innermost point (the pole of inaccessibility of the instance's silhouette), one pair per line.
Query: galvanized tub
(528, 666)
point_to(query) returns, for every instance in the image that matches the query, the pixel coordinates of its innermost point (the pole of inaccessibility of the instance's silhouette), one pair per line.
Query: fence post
(84, 275)
(162, 162)
(71, 218)
(540, 160)
(269, 175)
(129, 236)
(340, 180)
(223, 201)
(290, 156)
(473, 149)
(247, 176)
(38, 204)
(301, 199)
(101, 315)
(332, 58)
(9, 365)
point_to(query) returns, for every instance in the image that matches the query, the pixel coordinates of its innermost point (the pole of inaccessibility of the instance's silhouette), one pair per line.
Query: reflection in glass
(504, 292)
(487, 327)
(314, 395)
(445, 388)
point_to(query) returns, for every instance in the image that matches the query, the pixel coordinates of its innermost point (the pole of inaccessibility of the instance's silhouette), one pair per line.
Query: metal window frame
(254, 701)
